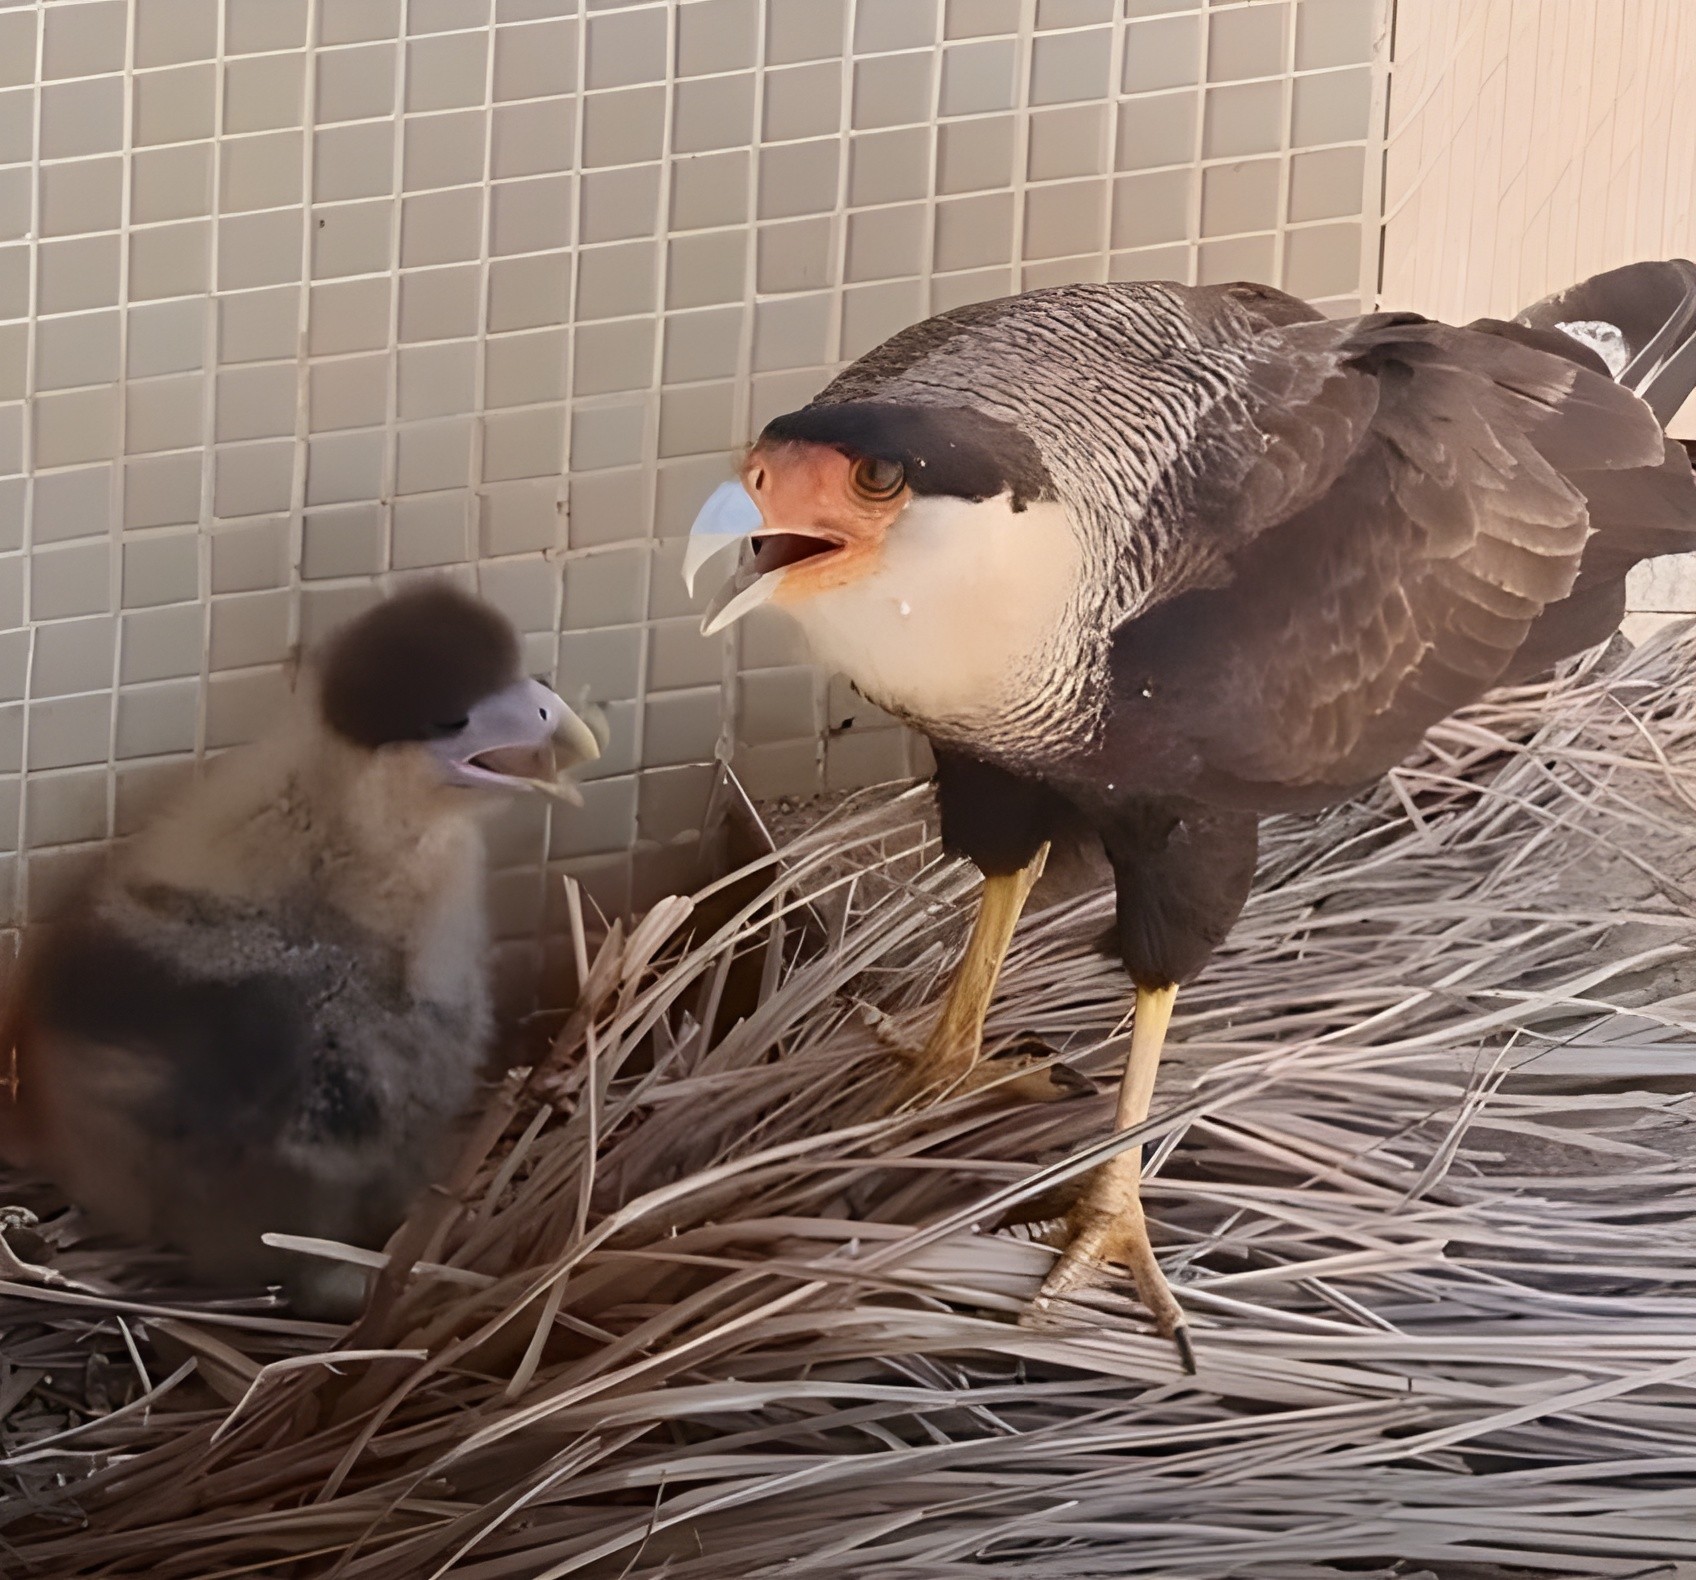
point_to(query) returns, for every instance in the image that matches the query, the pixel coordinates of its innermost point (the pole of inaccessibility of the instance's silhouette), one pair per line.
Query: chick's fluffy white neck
(963, 626)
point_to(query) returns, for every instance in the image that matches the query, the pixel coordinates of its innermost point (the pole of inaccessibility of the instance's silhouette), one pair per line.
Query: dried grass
(1424, 1165)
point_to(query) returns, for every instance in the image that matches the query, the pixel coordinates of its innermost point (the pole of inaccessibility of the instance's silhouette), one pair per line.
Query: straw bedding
(1425, 1175)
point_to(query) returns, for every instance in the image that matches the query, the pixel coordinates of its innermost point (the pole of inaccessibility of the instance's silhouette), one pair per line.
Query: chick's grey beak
(509, 737)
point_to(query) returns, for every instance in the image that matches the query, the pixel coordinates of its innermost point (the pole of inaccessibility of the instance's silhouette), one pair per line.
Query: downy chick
(270, 1011)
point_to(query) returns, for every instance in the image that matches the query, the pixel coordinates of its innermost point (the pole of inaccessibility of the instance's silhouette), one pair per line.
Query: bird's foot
(1025, 1071)
(1106, 1230)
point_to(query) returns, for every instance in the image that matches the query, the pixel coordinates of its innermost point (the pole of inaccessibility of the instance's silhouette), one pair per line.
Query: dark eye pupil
(878, 478)
(452, 726)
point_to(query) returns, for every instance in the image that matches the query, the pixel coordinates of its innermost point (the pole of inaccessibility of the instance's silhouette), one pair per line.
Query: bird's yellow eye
(877, 480)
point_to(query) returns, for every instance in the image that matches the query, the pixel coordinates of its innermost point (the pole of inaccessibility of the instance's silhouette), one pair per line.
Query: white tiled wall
(297, 295)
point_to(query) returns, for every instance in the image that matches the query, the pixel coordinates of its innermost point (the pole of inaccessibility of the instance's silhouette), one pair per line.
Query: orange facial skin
(807, 490)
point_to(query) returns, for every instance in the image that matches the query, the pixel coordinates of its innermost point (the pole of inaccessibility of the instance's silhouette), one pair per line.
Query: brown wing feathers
(1486, 511)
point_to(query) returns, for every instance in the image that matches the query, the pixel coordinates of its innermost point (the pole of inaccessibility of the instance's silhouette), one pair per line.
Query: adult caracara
(1162, 559)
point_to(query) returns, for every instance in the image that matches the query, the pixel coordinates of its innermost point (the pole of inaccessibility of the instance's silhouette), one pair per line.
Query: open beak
(510, 738)
(731, 520)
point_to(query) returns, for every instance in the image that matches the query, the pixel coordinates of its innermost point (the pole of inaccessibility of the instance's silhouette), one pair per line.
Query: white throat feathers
(969, 623)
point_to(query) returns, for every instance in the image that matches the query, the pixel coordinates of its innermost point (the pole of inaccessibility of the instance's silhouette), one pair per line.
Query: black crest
(412, 668)
(948, 450)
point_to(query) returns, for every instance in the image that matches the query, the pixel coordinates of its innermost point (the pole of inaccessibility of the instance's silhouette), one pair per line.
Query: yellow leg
(951, 1051)
(1107, 1224)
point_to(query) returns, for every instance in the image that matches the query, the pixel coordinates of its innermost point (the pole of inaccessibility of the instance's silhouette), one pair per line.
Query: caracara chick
(270, 1011)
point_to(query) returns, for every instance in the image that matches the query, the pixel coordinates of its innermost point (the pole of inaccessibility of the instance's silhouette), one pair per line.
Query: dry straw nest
(1424, 1170)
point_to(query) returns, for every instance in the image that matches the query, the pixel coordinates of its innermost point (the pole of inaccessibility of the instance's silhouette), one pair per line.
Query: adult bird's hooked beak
(806, 517)
(509, 738)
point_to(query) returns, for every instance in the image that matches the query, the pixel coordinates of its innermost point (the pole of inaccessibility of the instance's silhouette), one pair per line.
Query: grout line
(120, 426)
(1024, 66)
(733, 649)
(390, 470)
(303, 331)
(26, 567)
(209, 361)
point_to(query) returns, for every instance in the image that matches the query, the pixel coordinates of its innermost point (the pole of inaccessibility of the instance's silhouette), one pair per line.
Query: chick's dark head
(438, 669)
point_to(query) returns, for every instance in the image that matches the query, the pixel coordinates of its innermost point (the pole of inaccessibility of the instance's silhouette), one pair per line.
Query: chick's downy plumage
(269, 1011)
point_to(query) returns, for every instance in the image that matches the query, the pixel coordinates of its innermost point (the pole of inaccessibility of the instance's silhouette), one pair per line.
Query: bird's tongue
(519, 762)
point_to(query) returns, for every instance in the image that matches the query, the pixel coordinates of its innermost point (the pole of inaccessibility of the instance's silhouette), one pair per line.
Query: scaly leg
(1107, 1224)
(951, 1052)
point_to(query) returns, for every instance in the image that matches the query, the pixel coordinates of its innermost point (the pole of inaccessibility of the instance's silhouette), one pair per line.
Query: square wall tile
(73, 656)
(76, 504)
(171, 183)
(714, 112)
(69, 731)
(65, 808)
(624, 127)
(443, 150)
(432, 456)
(1162, 53)
(354, 161)
(168, 32)
(250, 557)
(610, 506)
(521, 518)
(70, 581)
(1244, 118)
(974, 18)
(1157, 130)
(1065, 218)
(161, 644)
(711, 189)
(681, 727)
(1250, 42)
(626, 47)
(716, 36)
(355, 84)
(430, 531)
(80, 118)
(172, 106)
(264, 92)
(1240, 197)
(1068, 67)
(447, 72)
(893, 90)
(611, 357)
(258, 326)
(527, 139)
(345, 467)
(161, 570)
(804, 30)
(605, 435)
(1332, 33)
(802, 101)
(1331, 107)
(343, 542)
(254, 26)
(979, 76)
(606, 663)
(1073, 140)
(534, 62)
(249, 629)
(80, 196)
(529, 292)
